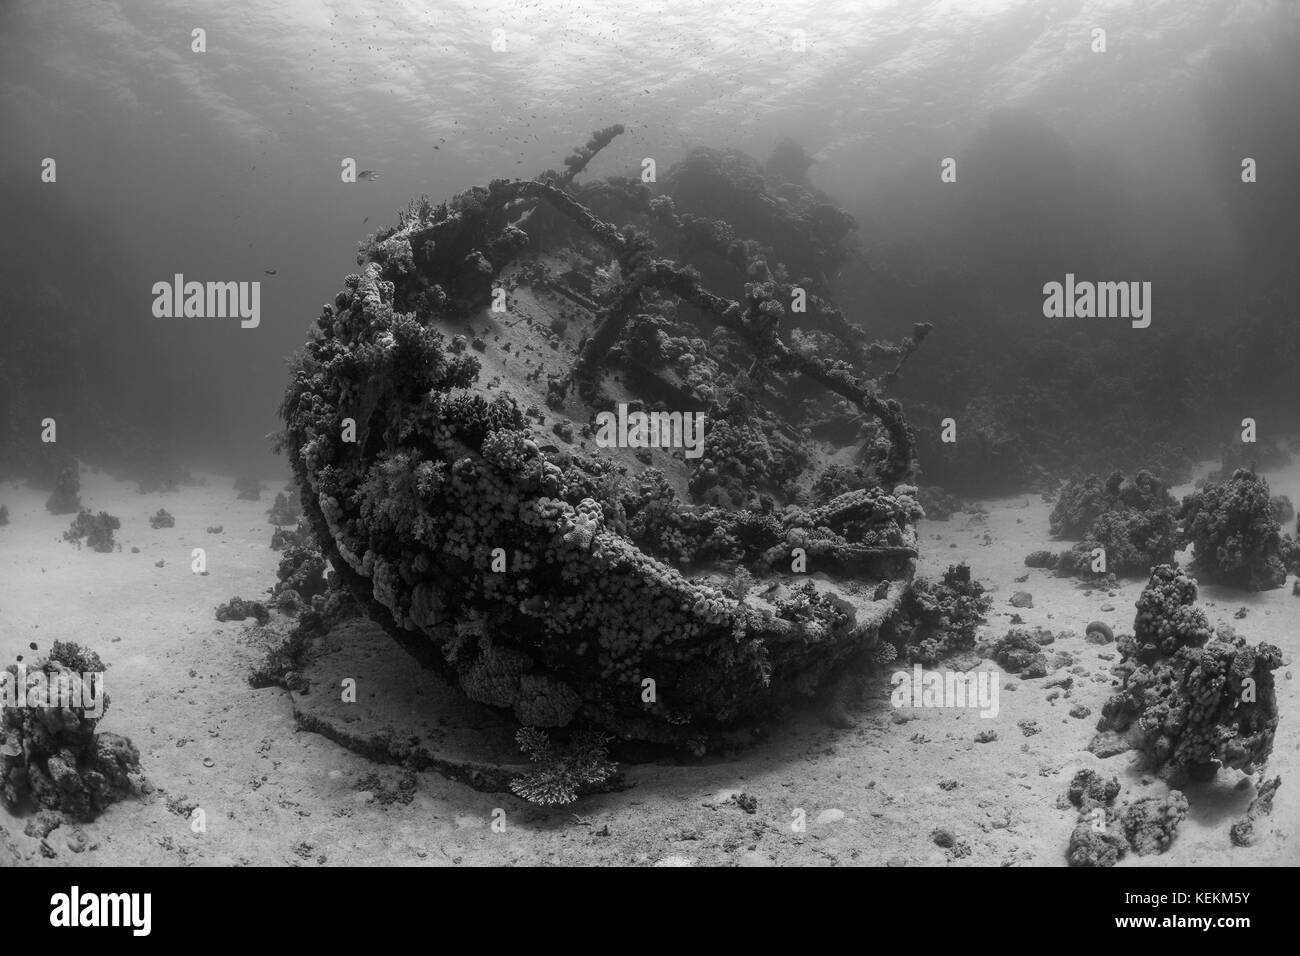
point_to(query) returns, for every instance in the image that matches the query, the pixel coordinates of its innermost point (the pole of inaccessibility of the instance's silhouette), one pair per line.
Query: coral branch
(577, 162)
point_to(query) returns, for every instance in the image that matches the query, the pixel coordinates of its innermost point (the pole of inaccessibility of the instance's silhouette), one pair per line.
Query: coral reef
(286, 510)
(1078, 504)
(1234, 535)
(51, 756)
(1167, 617)
(284, 661)
(1089, 788)
(288, 601)
(1042, 559)
(1282, 509)
(938, 504)
(302, 570)
(1242, 832)
(991, 447)
(1090, 846)
(163, 519)
(1104, 833)
(65, 498)
(788, 163)
(249, 488)
(1236, 455)
(562, 773)
(1098, 839)
(1151, 823)
(300, 535)
(941, 618)
(801, 227)
(1020, 651)
(1132, 521)
(237, 609)
(1133, 542)
(96, 529)
(1029, 416)
(1191, 702)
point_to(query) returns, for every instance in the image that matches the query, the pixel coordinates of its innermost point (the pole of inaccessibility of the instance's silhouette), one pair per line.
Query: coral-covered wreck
(440, 429)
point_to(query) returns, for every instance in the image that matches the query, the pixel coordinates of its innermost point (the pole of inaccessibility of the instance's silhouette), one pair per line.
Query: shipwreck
(442, 419)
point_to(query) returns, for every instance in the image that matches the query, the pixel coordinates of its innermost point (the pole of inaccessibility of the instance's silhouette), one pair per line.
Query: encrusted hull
(571, 584)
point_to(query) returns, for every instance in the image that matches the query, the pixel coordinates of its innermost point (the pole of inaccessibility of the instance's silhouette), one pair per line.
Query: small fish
(368, 174)
(366, 220)
(271, 272)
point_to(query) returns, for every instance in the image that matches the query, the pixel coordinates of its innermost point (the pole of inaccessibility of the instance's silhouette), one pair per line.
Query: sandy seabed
(874, 794)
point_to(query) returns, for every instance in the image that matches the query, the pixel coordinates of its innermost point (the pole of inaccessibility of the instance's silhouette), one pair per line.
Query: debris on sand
(1098, 632)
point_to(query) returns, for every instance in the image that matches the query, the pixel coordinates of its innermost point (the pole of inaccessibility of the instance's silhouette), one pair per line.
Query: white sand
(274, 795)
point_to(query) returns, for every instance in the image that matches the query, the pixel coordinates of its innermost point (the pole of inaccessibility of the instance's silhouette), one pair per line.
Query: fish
(271, 272)
(366, 220)
(369, 174)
